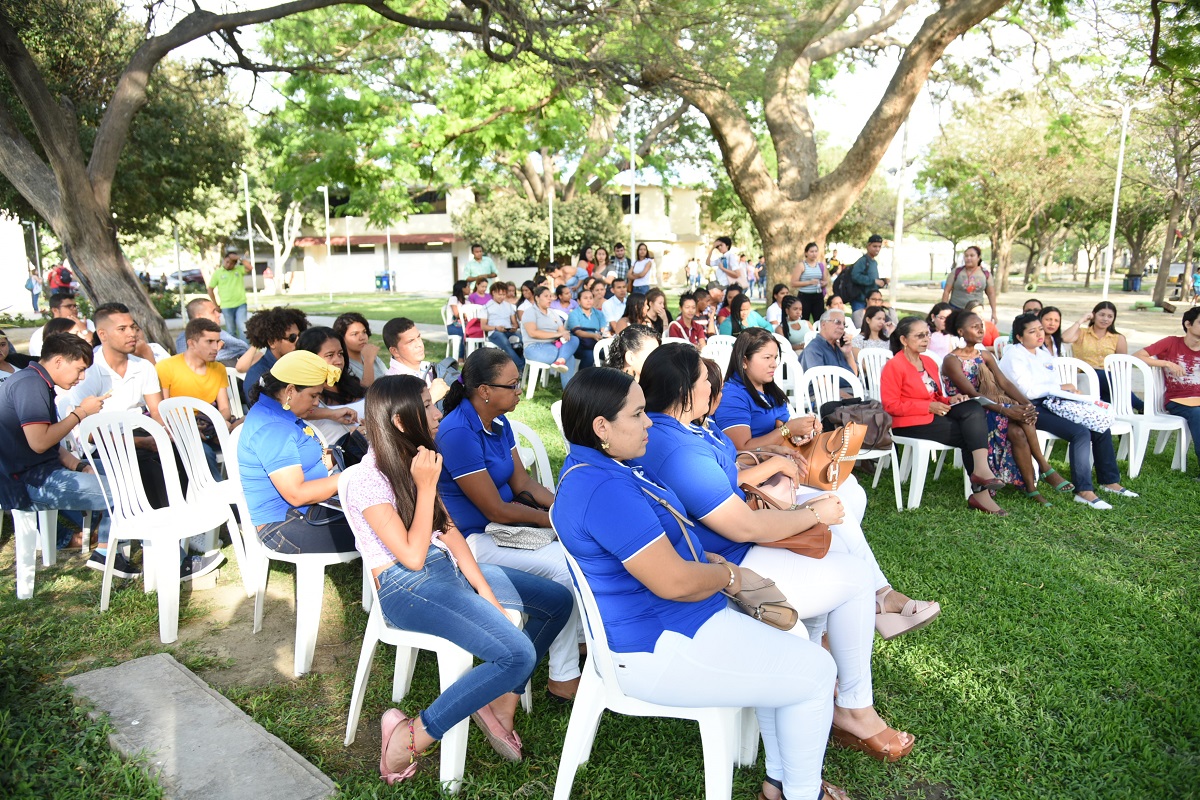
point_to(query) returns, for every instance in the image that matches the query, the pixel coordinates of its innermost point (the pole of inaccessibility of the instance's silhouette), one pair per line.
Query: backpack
(845, 288)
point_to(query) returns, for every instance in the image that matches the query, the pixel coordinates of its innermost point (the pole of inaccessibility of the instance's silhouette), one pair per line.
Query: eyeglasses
(515, 387)
(923, 335)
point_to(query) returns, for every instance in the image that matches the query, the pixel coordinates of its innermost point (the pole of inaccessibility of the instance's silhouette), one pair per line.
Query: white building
(14, 268)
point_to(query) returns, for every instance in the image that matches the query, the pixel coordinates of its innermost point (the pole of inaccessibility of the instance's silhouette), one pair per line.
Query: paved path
(195, 742)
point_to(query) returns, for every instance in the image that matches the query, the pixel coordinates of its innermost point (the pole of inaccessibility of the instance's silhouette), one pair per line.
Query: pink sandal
(393, 719)
(915, 615)
(505, 743)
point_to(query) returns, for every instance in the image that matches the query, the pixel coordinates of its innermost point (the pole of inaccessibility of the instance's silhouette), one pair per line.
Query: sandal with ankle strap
(393, 720)
(915, 615)
(883, 746)
(1038, 497)
(1065, 486)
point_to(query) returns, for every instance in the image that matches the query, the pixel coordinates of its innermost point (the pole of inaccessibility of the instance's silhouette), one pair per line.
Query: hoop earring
(287, 403)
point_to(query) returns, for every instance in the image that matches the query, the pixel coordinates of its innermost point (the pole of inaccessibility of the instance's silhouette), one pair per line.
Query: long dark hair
(735, 313)
(635, 309)
(392, 399)
(933, 312)
(1057, 335)
(1104, 305)
(631, 339)
(348, 389)
(747, 344)
(459, 290)
(868, 313)
(482, 366)
(668, 376)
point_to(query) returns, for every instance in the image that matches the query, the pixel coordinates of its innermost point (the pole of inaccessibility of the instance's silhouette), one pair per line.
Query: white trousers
(734, 660)
(849, 537)
(837, 591)
(548, 562)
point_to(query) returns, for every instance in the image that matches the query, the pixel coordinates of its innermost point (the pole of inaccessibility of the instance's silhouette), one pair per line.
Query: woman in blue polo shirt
(755, 412)
(483, 480)
(673, 636)
(281, 460)
(840, 585)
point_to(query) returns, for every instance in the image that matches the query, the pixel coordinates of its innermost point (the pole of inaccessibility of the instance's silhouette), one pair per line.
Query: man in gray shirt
(232, 347)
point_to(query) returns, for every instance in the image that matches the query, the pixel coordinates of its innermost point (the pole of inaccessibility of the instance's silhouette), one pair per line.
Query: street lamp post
(328, 251)
(898, 233)
(250, 237)
(1126, 108)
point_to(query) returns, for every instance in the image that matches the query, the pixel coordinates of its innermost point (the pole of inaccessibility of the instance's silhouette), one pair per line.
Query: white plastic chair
(533, 452)
(1121, 370)
(453, 663)
(534, 372)
(723, 339)
(453, 340)
(870, 366)
(788, 374)
(38, 530)
(161, 530)
(235, 378)
(556, 413)
(824, 384)
(600, 351)
(179, 416)
(674, 340)
(999, 344)
(467, 312)
(727, 738)
(718, 351)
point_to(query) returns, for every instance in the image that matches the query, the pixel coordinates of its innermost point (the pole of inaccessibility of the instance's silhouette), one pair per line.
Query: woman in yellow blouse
(1100, 339)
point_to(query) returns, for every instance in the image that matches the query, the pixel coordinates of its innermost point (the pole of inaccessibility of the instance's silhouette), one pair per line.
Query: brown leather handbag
(780, 493)
(827, 454)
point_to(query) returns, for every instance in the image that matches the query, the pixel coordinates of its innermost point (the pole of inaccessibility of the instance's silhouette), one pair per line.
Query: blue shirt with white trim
(274, 439)
(738, 408)
(466, 448)
(604, 518)
(683, 460)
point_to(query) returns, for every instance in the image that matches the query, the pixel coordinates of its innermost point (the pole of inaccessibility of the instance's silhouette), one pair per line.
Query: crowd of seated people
(655, 430)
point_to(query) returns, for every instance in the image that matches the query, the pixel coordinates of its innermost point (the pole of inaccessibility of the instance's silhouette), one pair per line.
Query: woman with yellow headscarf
(282, 462)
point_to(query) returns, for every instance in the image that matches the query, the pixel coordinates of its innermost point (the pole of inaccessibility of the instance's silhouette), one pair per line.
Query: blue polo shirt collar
(40, 370)
(275, 409)
(475, 422)
(588, 455)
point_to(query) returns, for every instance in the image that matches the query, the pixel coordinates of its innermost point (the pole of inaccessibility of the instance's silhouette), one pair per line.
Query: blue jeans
(62, 489)
(857, 305)
(1085, 444)
(547, 353)
(235, 320)
(1192, 415)
(438, 600)
(500, 339)
(33, 296)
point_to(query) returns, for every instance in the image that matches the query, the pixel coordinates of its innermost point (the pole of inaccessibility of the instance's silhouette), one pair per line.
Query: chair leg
(916, 482)
(48, 530)
(106, 583)
(581, 731)
(406, 665)
(164, 557)
(937, 473)
(531, 382)
(748, 736)
(527, 697)
(361, 676)
(310, 591)
(260, 596)
(717, 736)
(368, 597)
(895, 465)
(452, 665)
(25, 531)
(88, 522)
(1139, 444)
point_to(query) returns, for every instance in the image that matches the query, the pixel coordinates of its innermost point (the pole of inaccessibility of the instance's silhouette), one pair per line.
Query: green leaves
(519, 230)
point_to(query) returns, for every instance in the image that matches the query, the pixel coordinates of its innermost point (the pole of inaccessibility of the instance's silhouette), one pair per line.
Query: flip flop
(883, 746)
(501, 742)
(392, 720)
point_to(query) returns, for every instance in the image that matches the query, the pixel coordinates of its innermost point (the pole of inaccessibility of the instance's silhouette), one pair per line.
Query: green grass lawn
(374, 305)
(1064, 665)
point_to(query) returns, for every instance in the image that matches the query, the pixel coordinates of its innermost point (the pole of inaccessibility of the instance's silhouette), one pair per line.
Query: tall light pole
(550, 199)
(250, 237)
(328, 252)
(898, 233)
(632, 186)
(1126, 108)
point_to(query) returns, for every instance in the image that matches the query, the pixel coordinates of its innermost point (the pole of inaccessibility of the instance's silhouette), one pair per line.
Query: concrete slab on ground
(194, 741)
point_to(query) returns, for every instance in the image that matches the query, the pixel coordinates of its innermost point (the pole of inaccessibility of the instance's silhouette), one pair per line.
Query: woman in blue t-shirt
(840, 585)
(674, 639)
(483, 481)
(755, 411)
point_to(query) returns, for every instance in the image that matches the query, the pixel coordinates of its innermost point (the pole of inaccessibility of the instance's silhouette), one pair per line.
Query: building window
(637, 204)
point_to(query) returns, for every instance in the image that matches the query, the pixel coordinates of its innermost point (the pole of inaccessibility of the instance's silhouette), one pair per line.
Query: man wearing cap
(227, 289)
(865, 273)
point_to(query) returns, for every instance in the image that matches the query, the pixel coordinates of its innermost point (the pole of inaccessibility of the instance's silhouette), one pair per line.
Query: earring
(604, 446)
(287, 403)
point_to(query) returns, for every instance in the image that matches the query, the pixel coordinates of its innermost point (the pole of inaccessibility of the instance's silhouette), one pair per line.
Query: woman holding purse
(1031, 369)
(429, 582)
(674, 637)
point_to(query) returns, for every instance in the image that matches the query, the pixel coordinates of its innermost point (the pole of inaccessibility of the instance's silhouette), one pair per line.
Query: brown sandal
(828, 790)
(884, 746)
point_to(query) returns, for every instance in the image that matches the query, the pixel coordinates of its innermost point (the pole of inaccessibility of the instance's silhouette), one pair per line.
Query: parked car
(190, 276)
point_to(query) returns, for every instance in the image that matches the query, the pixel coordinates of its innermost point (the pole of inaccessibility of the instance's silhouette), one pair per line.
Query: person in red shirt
(687, 327)
(911, 390)
(1179, 357)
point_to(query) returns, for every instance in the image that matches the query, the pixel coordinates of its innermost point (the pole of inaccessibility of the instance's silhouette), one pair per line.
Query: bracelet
(785, 432)
(816, 516)
(732, 575)
(77, 416)
(81, 466)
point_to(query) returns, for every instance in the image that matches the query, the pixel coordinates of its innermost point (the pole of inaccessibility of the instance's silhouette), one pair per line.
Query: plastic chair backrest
(599, 656)
(674, 340)
(999, 345)
(540, 461)
(112, 436)
(179, 416)
(870, 367)
(1069, 370)
(784, 344)
(1154, 397)
(447, 315)
(1121, 371)
(469, 311)
(343, 482)
(788, 374)
(723, 339)
(600, 351)
(823, 385)
(235, 378)
(719, 352)
(556, 413)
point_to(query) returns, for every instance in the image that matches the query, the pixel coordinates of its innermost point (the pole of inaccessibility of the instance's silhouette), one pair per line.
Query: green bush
(167, 305)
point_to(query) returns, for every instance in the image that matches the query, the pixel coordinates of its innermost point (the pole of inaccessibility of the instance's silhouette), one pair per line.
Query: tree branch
(842, 40)
(25, 170)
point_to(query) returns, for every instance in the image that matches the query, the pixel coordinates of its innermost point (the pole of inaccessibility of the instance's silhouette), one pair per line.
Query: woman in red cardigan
(912, 394)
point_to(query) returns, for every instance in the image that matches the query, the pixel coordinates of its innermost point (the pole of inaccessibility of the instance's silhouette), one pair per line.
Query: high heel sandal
(1065, 486)
(393, 719)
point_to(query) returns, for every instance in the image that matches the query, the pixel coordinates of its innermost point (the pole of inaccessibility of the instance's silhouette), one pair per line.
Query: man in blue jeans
(1179, 357)
(36, 471)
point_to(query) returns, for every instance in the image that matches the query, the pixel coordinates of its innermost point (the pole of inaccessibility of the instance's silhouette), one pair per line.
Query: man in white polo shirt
(614, 307)
(403, 340)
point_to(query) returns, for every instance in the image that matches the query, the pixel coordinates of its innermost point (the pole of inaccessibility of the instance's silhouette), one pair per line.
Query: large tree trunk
(1164, 263)
(1004, 248)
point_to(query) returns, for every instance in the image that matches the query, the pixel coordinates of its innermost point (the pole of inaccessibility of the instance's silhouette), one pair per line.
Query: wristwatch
(81, 466)
(785, 432)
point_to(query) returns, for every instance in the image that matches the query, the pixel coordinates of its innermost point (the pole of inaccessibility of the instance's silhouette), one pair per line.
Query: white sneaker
(1122, 491)
(1097, 504)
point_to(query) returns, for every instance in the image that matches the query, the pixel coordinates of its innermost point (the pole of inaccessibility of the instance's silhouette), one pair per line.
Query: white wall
(14, 299)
